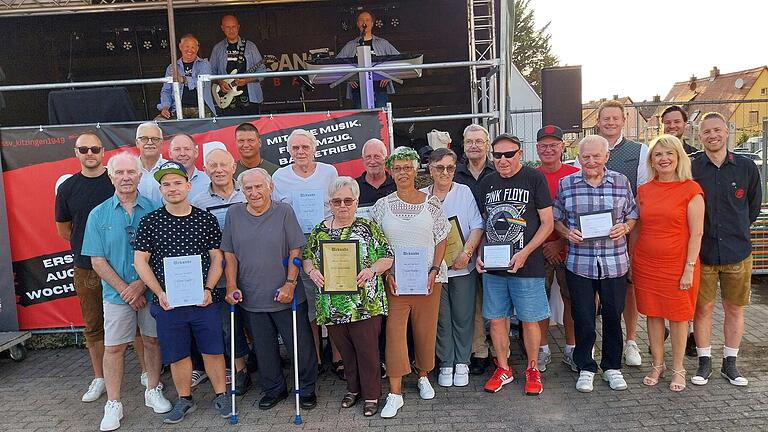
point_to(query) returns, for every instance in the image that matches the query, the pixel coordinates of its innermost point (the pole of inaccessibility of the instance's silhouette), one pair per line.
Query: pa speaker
(561, 97)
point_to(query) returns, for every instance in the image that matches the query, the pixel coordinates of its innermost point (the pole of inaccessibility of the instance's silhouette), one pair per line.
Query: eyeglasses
(547, 146)
(476, 143)
(93, 149)
(441, 168)
(507, 154)
(404, 168)
(131, 231)
(336, 202)
(146, 139)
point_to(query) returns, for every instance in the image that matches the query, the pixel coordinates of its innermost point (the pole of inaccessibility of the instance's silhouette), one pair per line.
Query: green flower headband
(401, 153)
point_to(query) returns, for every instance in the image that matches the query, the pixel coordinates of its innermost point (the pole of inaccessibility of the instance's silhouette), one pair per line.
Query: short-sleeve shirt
(110, 233)
(260, 244)
(287, 185)
(510, 206)
(372, 298)
(370, 194)
(75, 199)
(264, 164)
(164, 235)
(553, 180)
(465, 177)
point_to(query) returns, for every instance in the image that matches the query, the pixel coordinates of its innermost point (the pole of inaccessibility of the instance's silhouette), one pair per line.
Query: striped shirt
(603, 258)
(216, 205)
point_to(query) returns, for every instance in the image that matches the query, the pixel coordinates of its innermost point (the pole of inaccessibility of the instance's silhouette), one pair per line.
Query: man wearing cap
(550, 147)
(109, 237)
(179, 230)
(183, 149)
(517, 209)
(674, 119)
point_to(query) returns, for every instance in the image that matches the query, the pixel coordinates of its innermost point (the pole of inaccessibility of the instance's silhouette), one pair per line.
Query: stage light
(379, 23)
(109, 45)
(394, 22)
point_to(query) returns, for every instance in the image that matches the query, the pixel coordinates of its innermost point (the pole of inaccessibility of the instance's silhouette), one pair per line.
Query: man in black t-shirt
(179, 230)
(374, 182)
(517, 208)
(75, 199)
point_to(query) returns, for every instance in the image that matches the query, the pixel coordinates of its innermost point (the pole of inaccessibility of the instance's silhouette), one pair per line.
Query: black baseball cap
(507, 137)
(549, 131)
(171, 167)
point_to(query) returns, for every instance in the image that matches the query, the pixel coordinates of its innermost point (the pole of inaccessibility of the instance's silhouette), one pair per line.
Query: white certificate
(595, 225)
(364, 212)
(183, 280)
(497, 256)
(411, 270)
(309, 206)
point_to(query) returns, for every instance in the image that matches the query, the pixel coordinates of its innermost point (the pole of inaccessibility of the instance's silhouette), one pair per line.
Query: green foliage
(532, 50)
(743, 137)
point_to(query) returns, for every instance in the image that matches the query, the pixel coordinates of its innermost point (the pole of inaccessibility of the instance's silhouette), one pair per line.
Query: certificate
(411, 270)
(183, 280)
(497, 256)
(309, 206)
(340, 266)
(454, 243)
(364, 212)
(595, 225)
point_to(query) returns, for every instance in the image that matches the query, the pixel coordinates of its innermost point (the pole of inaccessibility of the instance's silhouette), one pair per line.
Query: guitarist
(232, 53)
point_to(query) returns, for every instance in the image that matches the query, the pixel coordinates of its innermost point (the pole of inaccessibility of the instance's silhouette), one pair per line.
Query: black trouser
(612, 292)
(264, 328)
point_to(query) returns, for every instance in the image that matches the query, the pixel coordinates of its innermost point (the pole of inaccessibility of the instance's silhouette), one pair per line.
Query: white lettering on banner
(50, 292)
(59, 260)
(61, 274)
(340, 126)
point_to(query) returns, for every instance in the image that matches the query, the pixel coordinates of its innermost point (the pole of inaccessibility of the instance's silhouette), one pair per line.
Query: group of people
(235, 54)
(661, 249)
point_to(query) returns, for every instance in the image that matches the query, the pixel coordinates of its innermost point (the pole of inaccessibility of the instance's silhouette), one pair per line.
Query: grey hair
(149, 124)
(305, 133)
(373, 141)
(592, 139)
(251, 171)
(123, 155)
(438, 154)
(342, 182)
(476, 128)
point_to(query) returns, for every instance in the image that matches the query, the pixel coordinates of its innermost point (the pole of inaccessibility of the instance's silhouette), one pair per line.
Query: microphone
(362, 34)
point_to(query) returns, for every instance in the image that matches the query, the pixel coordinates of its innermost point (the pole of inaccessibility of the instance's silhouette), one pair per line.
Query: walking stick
(233, 373)
(297, 418)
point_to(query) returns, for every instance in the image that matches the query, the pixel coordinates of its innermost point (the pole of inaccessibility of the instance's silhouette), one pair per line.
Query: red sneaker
(532, 382)
(498, 379)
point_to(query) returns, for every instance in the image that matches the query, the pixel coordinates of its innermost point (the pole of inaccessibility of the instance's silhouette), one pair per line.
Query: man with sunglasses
(149, 141)
(109, 239)
(517, 209)
(75, 199)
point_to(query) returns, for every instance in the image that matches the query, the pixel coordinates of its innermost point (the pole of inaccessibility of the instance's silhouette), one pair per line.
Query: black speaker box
(561, 97)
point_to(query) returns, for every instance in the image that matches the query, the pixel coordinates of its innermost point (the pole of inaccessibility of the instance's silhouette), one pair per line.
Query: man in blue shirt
(183, 149)
(379, 47)
(189, 66)
(109, 236)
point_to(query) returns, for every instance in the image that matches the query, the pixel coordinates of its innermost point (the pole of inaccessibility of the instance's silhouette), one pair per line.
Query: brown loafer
(370, 408)
(349, 400)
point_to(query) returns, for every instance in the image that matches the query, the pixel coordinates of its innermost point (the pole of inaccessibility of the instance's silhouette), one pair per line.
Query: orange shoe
(498, 379)
(532, 382)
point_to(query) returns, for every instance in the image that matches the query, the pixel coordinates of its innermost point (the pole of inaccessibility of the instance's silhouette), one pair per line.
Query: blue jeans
(526, 296)
(380, 98)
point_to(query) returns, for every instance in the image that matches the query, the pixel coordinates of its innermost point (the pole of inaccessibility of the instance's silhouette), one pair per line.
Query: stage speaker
(561, 97)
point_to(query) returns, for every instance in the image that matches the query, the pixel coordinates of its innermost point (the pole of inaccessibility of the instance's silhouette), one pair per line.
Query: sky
(641, 48)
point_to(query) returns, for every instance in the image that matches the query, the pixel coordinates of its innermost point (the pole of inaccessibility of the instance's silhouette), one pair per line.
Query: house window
(764, 91)
(754, 117)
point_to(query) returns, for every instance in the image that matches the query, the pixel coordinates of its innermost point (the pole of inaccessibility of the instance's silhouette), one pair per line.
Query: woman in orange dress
(665, 263)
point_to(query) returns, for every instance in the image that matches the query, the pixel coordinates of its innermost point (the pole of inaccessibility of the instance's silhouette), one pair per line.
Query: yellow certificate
(454, 243)
(340, 266)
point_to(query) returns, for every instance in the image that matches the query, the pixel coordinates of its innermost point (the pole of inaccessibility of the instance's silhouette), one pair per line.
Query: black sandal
(349, 400)
(370, 408)
(338, 369)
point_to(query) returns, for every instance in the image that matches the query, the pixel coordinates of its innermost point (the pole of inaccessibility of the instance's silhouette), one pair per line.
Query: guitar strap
(241, 59)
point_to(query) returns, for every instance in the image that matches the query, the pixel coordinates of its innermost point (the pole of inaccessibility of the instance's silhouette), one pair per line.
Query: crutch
(297, 418)
(236, 296)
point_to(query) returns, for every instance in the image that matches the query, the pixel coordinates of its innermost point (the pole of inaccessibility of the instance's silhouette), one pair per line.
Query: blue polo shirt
(109, 233)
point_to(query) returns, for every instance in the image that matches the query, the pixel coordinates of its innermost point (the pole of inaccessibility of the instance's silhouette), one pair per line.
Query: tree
(532, 50)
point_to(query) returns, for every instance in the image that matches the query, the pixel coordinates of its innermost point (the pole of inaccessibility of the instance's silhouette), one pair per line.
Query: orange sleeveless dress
(660, 253)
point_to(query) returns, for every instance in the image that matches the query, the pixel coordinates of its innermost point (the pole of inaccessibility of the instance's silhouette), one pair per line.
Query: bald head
(374, 153)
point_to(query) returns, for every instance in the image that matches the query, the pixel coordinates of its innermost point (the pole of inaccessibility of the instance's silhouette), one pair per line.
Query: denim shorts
(504, 296)
(177, 327)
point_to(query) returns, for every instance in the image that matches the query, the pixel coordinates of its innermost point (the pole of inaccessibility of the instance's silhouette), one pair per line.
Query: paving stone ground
(43, 392)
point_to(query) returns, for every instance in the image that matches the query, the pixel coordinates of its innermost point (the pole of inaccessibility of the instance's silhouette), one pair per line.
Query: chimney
(657, 98)
(615, 97)
(715, 72)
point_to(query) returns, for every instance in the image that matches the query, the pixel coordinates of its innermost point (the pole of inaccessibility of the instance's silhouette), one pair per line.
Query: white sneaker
(445, 378)
(144, 379)
(393, 405)
(95, 389)
(154, 399)
(632, 354)
(543, 360)
(615, 379)
(584, 383)
(461, 376)
(425, 388)
(113, 413)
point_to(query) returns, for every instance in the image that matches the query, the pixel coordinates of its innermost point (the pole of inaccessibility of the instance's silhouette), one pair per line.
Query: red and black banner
(36, 160)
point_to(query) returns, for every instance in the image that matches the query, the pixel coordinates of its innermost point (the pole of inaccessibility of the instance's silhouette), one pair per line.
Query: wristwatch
(468, 254)
(373, 270)
(435, 269)
(291, 281)
(208, 289)
(690, 263)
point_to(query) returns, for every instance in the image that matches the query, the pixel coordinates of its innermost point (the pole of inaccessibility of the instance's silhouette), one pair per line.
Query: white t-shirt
(461, 203)
(304, 194)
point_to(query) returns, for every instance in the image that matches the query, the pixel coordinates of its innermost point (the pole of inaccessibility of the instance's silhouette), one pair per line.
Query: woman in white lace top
(411, 219)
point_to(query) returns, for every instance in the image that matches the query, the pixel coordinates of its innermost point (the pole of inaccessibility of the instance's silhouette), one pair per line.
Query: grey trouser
(455, 323)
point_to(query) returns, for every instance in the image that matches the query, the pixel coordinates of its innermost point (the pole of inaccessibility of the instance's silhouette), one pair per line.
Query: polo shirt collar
(214, 194)
(387, 180)
(729, 158)
(464, 167)
(115, 201)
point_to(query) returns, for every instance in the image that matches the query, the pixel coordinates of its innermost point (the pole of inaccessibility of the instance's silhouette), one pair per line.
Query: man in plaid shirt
(596, 262)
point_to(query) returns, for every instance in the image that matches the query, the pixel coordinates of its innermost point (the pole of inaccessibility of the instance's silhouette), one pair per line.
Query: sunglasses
(146, 139)
(93, 149)
(441, 168)
(131, 231)
(336, 202)
(507, 154)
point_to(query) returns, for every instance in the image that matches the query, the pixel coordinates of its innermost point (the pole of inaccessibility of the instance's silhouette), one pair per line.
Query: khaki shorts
(88, 289)
(120, 321)
(735, 282)
(556, 271)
